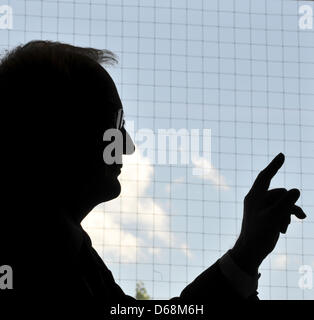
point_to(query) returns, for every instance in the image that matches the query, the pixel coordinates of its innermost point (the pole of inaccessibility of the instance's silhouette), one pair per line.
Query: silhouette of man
(59, 102)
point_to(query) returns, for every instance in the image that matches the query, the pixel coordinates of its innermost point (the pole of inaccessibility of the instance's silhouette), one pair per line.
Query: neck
(76, 212)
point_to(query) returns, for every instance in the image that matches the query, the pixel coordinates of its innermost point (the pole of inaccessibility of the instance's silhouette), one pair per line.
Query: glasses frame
(119, 119)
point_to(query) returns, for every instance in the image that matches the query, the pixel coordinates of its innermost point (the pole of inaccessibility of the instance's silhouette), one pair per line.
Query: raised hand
(266, 214)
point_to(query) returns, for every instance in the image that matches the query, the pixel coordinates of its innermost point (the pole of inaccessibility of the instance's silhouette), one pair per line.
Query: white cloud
(112, 226)
(279, 261)
(207, 171)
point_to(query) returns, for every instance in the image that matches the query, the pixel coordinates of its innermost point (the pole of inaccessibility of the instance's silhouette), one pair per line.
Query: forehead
(106, 89)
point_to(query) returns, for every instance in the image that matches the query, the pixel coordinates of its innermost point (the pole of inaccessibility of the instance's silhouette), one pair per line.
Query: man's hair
(53, 75)
(57, 53)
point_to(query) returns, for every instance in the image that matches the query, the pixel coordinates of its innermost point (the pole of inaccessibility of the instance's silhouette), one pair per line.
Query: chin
(113, 189)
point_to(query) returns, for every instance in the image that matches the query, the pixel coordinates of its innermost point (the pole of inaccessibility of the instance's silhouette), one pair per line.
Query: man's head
(59, 103)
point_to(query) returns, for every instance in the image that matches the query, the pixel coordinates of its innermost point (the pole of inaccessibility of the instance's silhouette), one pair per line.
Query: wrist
(246, 258)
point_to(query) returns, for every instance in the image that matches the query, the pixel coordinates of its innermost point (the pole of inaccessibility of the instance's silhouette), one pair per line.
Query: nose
(128, 145)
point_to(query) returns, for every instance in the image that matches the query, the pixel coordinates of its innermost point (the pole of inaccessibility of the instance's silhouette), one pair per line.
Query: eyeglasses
(119, 119)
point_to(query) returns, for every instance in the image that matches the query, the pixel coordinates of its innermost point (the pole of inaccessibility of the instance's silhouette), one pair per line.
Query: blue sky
(243, 69)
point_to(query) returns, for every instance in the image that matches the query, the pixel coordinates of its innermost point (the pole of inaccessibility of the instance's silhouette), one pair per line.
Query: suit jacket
(56, 262)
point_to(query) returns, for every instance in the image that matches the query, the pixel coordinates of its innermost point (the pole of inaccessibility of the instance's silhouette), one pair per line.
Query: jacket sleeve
(211, 285)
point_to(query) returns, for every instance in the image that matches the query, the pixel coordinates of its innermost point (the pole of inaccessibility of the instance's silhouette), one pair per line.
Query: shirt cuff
(244, 284)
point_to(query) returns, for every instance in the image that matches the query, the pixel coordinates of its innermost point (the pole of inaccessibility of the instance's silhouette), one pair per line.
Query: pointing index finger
(262, 182)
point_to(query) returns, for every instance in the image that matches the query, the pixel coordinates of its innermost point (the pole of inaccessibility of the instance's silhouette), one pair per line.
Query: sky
(243, 69)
